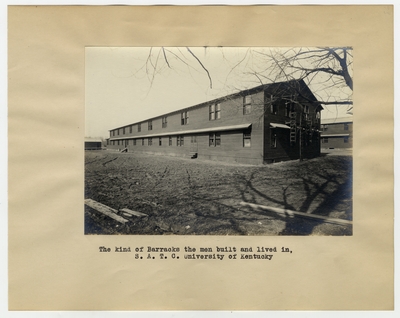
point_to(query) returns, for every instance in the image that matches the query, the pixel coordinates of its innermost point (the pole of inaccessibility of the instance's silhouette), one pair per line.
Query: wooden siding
(282, 149)
(231, 148)
(332, 129)
(232, 113)
(337, 142)
(92, 145)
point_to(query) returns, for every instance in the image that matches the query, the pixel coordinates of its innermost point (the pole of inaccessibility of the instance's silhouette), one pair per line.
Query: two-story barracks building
(337, 132)
(265, 124)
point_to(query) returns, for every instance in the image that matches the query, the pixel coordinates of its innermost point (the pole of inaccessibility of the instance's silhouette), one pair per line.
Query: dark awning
(335, 135)
(275, 125)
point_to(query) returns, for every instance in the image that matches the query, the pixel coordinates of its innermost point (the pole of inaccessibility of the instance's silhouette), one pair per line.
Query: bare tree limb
(208, 74)
(165, 58)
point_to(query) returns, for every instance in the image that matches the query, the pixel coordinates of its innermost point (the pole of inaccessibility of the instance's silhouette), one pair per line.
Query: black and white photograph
(218, 141)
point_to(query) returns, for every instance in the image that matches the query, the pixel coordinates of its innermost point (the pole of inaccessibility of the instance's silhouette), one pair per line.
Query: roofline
(255, 89)
(216, 100)
(93, 140)
(339, 120)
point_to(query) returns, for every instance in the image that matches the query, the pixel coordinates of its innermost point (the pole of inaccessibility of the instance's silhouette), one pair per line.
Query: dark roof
(88, 139)
(338, 120)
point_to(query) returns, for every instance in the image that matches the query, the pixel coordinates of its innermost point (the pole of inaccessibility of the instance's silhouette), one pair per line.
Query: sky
(128, 84)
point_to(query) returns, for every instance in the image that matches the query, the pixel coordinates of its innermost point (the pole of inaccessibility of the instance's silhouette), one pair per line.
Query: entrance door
(193, 143)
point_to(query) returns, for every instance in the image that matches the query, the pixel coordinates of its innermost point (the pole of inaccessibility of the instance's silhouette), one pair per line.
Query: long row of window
(215, 114)
(326, 127)
(213, 138)
(325, 140)
(289, 109)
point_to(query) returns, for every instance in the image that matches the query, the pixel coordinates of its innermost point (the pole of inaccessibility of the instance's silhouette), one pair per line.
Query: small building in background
(337, 133)
(93, 144)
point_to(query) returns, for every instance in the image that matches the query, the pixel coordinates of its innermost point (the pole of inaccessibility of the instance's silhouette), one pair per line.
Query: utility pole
(301, 134)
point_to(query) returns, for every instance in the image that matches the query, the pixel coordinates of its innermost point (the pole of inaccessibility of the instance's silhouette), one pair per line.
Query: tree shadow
(325, 193)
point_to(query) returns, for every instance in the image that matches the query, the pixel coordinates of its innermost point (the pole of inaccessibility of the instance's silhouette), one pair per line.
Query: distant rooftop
(338, 120)
(89, 139)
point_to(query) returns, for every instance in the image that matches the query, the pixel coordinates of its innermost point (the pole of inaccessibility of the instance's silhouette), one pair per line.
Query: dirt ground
(195, 197)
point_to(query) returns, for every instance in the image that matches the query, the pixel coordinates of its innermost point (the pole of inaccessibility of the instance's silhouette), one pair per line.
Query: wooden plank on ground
(110, 212)
(135, 213)
(295, 213)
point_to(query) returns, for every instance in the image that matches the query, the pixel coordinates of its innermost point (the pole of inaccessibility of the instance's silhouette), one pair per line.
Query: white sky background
(122, 87)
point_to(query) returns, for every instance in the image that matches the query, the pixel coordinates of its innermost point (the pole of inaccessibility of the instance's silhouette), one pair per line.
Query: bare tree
(327, 70)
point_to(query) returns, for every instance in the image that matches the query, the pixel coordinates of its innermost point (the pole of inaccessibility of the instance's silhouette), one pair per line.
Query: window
(246, 139)
(306, 109)
(324, 127)
(118, 142)
(164, 122)
(212, 112)
(150, 125)
(317, 115)
(170, 141)
(150, 141)
(211, 140)
(287, 109)
(274, 108)
(130, 129)
(346, 127)
(118, 132)
(179, 140)
(185, 118)
(113, 132)
(346, 140)
(134, 142)
(215, 111)
(218, 111)
(215, 140)
(139, 127)
(160, 141)
(142, 141)
(273, 140)
(324, 140)
(247, 105)
(123, 131)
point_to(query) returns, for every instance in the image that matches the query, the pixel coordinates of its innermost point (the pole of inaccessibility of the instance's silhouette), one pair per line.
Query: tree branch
(165, 57)
(208, 74)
